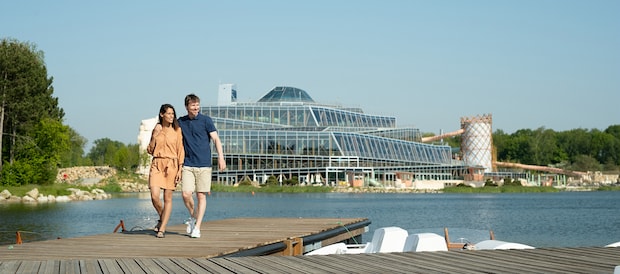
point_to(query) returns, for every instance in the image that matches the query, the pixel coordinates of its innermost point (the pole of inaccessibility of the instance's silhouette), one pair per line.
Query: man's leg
(202, 207)
(188, 200)
(188, 181)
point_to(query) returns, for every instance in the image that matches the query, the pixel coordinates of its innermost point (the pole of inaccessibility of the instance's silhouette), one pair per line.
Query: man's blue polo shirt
(196, 140)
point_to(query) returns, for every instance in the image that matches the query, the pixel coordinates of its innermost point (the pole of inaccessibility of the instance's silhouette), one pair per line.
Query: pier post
(294, 247)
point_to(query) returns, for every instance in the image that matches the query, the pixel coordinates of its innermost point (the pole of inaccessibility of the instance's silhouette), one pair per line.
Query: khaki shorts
(196, 179)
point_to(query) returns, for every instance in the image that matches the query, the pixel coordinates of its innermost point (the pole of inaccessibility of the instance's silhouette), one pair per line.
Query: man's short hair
(190, 98)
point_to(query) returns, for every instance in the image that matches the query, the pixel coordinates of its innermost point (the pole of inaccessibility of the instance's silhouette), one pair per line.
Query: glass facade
(287, 135)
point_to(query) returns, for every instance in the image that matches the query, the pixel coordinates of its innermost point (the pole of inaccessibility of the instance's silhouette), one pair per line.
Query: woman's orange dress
(168, 155)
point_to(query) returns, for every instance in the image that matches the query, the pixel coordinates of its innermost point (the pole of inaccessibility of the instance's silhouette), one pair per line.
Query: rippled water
(567, 219)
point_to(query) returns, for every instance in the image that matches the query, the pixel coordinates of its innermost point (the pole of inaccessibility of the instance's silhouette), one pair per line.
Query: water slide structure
(476, 147)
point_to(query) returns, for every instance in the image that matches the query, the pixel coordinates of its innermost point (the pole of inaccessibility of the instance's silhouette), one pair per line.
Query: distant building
(288, 135)
(226, 94)
(144, 137)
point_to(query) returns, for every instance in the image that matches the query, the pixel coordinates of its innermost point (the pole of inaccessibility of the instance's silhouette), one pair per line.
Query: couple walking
(181, 153)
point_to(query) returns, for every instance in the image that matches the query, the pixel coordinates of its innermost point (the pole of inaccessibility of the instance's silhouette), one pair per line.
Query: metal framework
(477, 141)
(286, 134)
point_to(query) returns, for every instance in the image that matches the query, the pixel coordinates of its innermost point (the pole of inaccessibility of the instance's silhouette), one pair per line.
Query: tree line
(35, 142)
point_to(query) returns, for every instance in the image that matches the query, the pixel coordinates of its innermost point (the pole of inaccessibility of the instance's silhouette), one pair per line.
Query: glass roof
(286, 94)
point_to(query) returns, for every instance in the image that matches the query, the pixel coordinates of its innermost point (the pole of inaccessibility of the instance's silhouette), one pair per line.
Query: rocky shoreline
(94, 177)
(33, 196)
(84, 176)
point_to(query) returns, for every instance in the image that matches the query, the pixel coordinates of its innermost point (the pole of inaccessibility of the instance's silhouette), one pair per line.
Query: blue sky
(529, 63)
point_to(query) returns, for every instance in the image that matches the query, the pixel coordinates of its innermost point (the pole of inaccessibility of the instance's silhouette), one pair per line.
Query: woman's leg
(155, 192)
(167, 210)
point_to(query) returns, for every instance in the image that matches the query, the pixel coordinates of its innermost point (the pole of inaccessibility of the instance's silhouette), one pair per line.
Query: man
(198, 131)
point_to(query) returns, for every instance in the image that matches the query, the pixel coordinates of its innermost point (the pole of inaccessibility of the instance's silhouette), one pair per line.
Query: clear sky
(529, 63)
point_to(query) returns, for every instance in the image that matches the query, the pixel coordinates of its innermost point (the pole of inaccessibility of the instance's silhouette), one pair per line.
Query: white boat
(616, 244)
(495, 244)
(388, 239)
(385, 239)
(425, 242)
(396, 239)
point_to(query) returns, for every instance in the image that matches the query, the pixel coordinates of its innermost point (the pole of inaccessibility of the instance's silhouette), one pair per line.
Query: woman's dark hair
(163, 109)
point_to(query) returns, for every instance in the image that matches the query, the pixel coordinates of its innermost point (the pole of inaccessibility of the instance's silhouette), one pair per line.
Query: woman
(166, 147)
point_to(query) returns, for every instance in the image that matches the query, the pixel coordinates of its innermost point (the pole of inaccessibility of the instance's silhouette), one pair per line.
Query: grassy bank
(271, 189)
(500, 189)
(111, 185)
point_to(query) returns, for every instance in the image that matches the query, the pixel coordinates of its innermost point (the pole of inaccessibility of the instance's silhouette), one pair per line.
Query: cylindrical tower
(477, 141)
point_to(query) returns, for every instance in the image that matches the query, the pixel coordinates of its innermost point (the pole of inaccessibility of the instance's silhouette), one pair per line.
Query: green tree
(575, 142)
(115, 154)
(25, 93)
(74, 156)
(38, 157)
(586, 163)
(543, 147)
(518, 147)
(577, 149)
(614, 148)
(103, 151)
(127, 158)
(26, 108)
(602, 147)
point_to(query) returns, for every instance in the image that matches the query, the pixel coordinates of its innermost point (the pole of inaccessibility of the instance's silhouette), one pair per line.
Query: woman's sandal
(156, 229)
(161, 234)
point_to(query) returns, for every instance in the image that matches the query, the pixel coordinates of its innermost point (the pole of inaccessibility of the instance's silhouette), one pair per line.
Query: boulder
(34, 193)
(5, 194)
(28, 199)
(63, 198)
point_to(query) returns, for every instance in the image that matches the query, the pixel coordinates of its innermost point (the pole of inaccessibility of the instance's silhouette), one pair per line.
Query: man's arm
(220, 152)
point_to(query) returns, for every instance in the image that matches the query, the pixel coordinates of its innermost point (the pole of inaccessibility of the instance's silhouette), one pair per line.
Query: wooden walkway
(234, 246)
(229, 237)
(543, 260)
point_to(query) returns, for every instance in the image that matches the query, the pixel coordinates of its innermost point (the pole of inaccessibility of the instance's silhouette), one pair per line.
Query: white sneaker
(191, 222)
(195, 233)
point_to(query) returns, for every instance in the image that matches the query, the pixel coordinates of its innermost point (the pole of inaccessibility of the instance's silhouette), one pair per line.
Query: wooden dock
(238, 246)
(229, 237)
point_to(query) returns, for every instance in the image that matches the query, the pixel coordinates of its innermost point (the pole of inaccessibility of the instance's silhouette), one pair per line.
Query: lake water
(566, 219)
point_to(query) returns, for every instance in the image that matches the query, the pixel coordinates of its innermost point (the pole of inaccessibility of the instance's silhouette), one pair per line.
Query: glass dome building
(288, 135)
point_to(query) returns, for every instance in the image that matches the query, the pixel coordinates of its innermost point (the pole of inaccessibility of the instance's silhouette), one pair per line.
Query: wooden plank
(49, 267)
(231, 266)
(149, 266)
(430, 261)
(499, 260)
(130, 266)
(89, 266)
(28, 267)
(9, 266)
(306, 263)
(209, 266)
(258, 265)
(69, 267)
(188, 265)
(169, 266)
